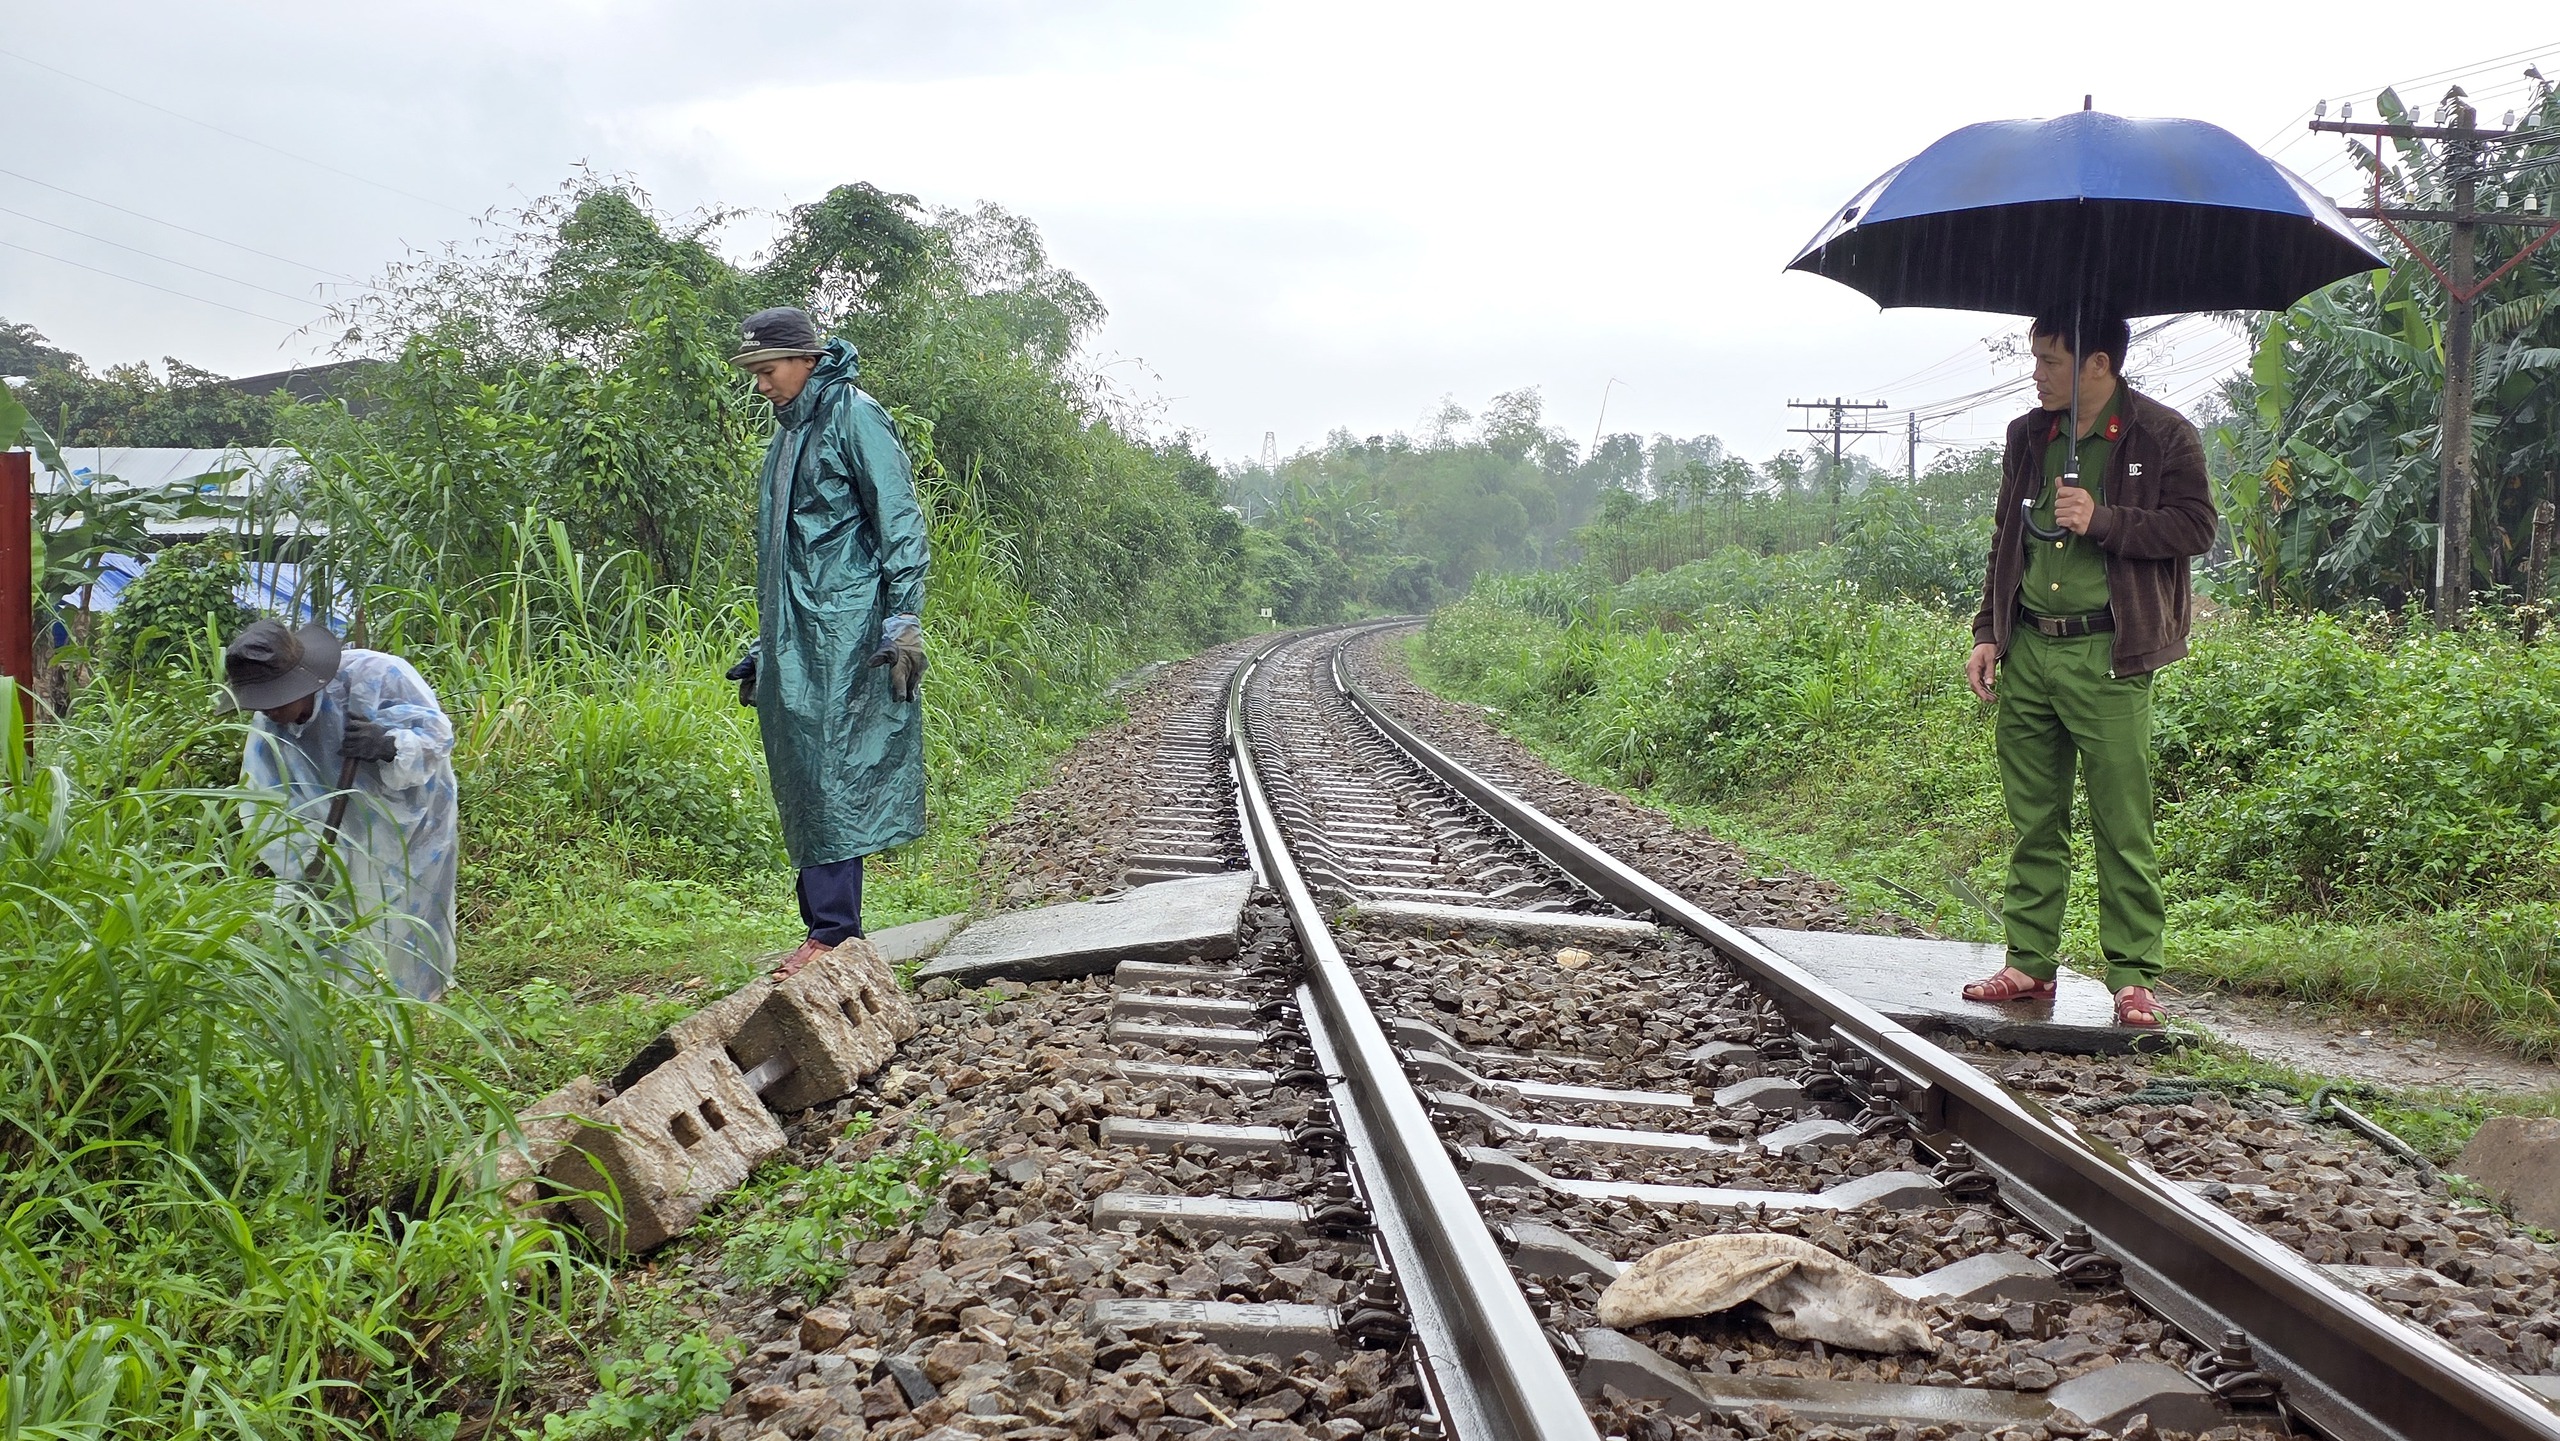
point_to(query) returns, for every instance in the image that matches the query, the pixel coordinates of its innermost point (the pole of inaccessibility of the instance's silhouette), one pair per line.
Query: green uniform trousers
(2059, 703)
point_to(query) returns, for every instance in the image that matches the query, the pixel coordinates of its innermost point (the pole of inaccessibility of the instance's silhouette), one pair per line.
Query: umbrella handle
(2027, 513)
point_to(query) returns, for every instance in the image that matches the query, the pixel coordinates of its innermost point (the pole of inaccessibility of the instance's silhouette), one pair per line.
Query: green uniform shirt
(2069, 576)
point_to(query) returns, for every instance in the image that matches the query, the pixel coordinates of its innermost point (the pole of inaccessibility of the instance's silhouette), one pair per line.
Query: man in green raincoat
(840, 568)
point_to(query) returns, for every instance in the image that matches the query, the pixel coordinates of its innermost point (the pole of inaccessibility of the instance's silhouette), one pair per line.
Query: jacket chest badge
(2134, 469)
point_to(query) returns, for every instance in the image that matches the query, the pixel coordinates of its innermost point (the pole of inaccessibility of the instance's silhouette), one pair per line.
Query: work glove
(366, 740)
(902, 651)
(744, 673)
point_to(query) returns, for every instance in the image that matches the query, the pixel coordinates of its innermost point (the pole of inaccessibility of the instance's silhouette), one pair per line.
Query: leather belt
(2063, 626)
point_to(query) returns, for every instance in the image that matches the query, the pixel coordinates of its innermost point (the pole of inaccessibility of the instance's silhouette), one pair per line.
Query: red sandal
(2011, 984)
(2137, 999)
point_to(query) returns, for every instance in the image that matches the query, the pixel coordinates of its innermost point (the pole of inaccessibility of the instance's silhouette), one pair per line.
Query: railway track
(1371, 1175)
(1514, 1128)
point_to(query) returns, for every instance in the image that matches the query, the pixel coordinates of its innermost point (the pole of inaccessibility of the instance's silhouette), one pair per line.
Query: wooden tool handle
(319, 863)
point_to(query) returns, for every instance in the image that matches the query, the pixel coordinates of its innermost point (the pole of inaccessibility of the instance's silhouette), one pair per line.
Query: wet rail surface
(1514, 1128)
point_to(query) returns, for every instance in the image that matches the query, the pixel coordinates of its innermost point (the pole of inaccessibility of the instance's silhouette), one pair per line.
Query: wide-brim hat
(772, 334)
(267, 666)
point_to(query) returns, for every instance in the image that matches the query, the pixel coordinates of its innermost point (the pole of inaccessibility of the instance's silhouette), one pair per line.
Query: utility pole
(1271, 450)
(2462, 140)
(1839, 429)
(1911, 464)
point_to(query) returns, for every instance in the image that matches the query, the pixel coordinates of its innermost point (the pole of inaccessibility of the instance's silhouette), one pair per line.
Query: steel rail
(2349, 1368)
(1487, 1359)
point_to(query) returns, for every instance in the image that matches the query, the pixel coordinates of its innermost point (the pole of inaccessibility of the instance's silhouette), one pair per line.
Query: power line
(1929, 371)
(233, 134)
(147, 285)
(2292, 134)
(1839, 430)
(173, 225)
(163, 259)
(1957, 405)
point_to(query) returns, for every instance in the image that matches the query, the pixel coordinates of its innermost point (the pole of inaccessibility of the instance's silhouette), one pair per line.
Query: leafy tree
(189, 588)
(129, 405)
(577, 368)
(24, 351)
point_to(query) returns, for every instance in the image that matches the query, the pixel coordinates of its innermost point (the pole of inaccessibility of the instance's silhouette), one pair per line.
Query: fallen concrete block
(2517, 1160)
(543, 1130)
(1190, 919)
(1816, 1133)
(838, 1020)
(683, 1136)
(713, 1025)
(1769, 1093)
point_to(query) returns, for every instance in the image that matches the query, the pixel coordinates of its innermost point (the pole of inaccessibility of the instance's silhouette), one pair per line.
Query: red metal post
(18, 583)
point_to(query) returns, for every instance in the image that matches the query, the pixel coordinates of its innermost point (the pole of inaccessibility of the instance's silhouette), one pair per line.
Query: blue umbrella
(2095, 211)
(2084, 216)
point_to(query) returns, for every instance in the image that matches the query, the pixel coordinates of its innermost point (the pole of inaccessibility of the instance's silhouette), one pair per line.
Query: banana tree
(2328, 465)
(77, 527)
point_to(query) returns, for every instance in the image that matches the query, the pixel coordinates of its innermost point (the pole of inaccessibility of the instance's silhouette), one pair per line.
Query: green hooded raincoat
(840, 547)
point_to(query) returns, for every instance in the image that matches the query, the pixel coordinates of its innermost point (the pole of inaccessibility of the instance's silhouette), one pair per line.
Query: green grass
(2352, 813)
(792, 1224)
(224, 1199)
(225, 1206)
(2435, 1122)
(622, 859)
(653, 1392)
(580, 957)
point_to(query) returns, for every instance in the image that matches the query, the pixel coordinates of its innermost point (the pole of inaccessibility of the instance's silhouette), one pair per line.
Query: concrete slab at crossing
(1193, 919)
(1921, 984)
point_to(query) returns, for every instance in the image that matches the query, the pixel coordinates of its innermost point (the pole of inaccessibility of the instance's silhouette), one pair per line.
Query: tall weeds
(224, 1209)
(230, 1206)
(2348, 810)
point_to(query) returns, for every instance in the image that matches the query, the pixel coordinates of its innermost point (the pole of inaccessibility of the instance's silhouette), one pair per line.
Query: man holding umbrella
(2083, 221)
(2085, 599)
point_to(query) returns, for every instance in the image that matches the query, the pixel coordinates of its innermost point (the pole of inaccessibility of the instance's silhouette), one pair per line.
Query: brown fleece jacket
(2159, 515)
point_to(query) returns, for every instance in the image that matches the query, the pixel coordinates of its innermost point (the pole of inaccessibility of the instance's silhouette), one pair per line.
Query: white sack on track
(1810, 1294)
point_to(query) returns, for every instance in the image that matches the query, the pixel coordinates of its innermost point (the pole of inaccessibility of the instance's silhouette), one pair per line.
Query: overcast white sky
(1301, 215)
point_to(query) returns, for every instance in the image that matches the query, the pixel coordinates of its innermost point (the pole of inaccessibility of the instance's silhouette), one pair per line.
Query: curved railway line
(1841, 1123)
(1370, 1174)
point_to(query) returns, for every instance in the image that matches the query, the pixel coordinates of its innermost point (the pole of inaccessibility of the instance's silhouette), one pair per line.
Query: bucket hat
(771, 334)
(267, 666)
